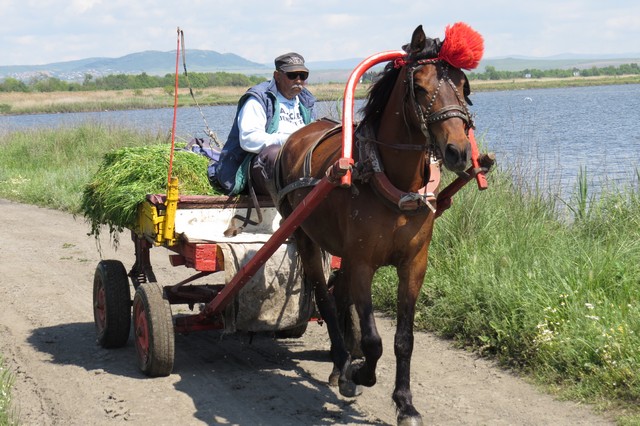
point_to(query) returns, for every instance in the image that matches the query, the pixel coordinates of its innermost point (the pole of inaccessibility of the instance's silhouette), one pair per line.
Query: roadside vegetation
(548, 288)
(7, 416)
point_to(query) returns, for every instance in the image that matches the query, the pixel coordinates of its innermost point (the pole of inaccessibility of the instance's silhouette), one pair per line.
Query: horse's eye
(420, 91)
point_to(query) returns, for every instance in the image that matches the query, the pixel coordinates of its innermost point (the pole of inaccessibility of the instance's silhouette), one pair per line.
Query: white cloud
(36, 31)
(81, 6)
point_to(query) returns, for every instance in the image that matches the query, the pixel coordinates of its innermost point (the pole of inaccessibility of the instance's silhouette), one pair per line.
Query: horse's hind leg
(312, 262)
(348, 320)
(359, 278)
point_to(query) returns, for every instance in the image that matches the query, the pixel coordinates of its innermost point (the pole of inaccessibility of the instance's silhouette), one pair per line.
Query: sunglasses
(300, 74)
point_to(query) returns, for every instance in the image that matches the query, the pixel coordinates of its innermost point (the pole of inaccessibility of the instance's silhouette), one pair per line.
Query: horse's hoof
(349, 389)
(355, 373)
(410, 420)
(334, 377)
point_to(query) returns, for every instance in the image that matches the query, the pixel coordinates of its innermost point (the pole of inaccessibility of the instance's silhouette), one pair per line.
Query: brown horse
(415, 115)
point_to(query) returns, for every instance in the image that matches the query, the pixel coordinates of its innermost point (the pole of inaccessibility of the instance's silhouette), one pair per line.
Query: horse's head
(438, 90)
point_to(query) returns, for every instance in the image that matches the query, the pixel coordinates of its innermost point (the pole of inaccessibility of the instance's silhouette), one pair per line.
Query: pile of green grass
(127, 175)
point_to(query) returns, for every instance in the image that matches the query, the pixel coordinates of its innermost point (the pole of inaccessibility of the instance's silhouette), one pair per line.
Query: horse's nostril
(451, 154)
(455, 157)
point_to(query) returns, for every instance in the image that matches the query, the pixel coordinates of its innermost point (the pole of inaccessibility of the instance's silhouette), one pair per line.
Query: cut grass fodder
(127, 175)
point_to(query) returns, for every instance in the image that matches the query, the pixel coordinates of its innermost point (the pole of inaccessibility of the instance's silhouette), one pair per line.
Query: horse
(415, 118)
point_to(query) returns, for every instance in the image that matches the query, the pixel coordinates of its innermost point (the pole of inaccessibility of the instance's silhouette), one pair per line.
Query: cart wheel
(153, 328)
(111, 304)
(292, 333)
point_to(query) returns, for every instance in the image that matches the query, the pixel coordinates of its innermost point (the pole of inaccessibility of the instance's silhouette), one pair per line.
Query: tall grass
(7, 413)
(512, 277)
(49, 167)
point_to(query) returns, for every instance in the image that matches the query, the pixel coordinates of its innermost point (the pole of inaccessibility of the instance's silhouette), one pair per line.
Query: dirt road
(47, 337)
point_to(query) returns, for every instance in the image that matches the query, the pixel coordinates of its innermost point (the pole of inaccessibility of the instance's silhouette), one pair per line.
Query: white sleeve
(252, 121)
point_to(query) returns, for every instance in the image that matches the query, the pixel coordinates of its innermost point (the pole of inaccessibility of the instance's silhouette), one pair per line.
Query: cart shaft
(290, 224)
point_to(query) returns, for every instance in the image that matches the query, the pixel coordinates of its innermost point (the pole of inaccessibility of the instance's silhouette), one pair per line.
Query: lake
(546, 135)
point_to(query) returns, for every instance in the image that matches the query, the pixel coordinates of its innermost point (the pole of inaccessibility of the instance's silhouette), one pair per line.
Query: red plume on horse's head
(462, 46)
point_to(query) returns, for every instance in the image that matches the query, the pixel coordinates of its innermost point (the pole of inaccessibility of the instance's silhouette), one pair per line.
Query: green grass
(50, 167)
(7, 415)
(557, 297)
(551, 289)
(127, 175)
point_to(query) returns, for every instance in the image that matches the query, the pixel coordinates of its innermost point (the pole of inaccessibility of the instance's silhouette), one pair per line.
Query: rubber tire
(153, 331)
(111, 304)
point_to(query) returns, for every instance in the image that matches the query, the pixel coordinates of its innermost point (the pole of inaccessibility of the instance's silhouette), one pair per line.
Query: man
(266, 115)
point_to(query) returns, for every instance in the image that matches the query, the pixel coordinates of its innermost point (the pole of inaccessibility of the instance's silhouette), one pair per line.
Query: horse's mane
(379, 94)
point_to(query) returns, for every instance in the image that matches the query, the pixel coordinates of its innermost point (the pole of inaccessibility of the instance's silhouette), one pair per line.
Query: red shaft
(348, 102)
(480, 177)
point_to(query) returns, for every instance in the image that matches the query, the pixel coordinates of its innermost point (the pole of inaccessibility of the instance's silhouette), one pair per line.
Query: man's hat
(290, 62)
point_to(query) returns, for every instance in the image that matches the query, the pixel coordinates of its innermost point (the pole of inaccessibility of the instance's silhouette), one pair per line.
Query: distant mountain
(151, 62)
(160, 63)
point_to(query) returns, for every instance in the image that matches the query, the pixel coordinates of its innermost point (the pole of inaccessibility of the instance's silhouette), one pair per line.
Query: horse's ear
(418, 41)
(422, 46)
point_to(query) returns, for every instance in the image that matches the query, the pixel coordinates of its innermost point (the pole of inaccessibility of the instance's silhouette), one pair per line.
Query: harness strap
(306, 180)
(404, 201)
(449, 112)
(409, 201)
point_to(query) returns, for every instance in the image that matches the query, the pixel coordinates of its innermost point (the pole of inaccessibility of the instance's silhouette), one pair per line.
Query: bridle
(426, 116)
(371, 163)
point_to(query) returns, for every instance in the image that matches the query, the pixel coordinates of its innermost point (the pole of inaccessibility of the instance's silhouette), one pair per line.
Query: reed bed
(60, 102)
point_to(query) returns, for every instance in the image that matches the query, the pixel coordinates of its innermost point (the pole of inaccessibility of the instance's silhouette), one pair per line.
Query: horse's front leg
(411, 277)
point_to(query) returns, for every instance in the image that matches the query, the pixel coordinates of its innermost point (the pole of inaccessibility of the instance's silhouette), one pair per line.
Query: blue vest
(232, 154)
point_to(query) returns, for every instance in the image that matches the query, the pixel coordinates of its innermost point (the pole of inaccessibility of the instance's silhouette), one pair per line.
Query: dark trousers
(262, 169)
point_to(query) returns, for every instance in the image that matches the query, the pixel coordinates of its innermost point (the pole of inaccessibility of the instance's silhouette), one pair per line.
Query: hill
(562, 62)
(151, 62)
(161, 63)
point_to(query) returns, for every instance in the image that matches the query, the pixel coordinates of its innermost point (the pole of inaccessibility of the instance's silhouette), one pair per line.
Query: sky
(35, 32)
